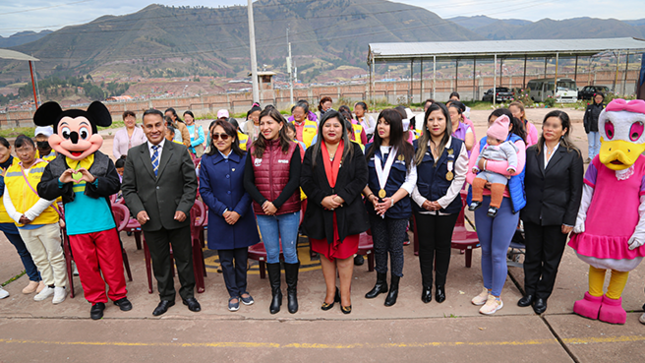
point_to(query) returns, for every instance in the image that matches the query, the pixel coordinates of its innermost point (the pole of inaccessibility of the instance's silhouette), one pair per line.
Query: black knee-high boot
(291, 277)
(274, 280)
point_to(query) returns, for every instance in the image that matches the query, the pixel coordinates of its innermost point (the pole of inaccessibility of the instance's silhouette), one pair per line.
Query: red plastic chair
(258, 253)
(134, 227)
(197, 214)
(366, 248)
(121, 217)
(201, 221)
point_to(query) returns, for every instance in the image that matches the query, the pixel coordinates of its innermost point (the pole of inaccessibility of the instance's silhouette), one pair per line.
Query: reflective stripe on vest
(21, 194)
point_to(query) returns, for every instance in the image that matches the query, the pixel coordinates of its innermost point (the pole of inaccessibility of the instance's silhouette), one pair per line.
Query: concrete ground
(409, 331)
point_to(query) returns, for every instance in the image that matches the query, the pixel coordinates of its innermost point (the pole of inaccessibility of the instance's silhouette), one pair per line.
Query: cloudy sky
(37, 15)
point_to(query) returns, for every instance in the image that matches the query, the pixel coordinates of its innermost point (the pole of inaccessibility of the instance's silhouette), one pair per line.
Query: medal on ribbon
(451, 163)
(383, 172)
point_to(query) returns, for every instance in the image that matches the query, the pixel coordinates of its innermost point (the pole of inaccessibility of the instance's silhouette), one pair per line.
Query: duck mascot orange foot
(610, 227)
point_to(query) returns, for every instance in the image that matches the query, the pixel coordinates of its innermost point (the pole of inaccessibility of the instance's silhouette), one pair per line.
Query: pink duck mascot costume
(610, 227)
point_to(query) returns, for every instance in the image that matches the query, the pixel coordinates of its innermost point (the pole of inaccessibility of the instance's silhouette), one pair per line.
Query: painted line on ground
(588, 340)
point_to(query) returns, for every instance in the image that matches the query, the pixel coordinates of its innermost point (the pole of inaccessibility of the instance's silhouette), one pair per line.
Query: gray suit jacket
(174, 188)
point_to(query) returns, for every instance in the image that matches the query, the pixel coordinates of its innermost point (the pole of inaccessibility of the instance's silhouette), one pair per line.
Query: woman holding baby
(496, 226)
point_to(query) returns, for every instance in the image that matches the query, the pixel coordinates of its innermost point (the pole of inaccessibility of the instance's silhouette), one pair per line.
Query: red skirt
(341, 250)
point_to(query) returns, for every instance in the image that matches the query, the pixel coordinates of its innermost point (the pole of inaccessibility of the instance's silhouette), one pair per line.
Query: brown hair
(260, 144)
(519, 105)
(323, 100)
(230, 131)
(128, 113)
(425, 137)
(564, 140)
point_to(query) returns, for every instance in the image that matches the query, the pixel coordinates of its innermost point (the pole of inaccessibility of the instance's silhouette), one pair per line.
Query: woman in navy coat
(231, 223)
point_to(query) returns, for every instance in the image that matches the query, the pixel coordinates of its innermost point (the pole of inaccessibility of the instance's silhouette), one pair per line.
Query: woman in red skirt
(334, 172)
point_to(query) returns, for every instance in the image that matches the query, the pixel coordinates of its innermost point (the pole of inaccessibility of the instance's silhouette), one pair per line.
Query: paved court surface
(453, 331)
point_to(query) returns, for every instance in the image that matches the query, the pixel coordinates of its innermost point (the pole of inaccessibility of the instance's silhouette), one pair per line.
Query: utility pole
(289, 71)
(254, 61)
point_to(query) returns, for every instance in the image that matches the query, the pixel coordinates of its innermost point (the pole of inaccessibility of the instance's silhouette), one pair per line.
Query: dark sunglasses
(224, 137)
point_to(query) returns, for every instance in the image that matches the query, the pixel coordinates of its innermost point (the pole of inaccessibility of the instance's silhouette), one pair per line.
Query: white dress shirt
(152, 151)
(546, 159)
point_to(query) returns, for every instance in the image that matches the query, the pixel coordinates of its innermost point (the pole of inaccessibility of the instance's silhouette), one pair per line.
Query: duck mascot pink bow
(610, 228)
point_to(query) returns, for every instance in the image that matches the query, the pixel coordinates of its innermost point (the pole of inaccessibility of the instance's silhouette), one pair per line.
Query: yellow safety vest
(308, 132)
(4, 216)
(243, 140)
(22, 196)
(358, 129)
(48, 158)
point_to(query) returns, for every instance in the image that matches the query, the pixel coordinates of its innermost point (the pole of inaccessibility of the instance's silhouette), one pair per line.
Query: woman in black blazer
(334, 172)
(553, 182)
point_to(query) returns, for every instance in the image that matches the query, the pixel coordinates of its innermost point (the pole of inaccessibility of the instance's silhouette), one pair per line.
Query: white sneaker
(45, 293)
(493, 304)
(642, 319)
(60, 293)
(3, 293)
(481, 298)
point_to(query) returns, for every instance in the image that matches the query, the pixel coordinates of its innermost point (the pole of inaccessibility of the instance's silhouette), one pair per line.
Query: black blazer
(352, 178)
(553, 194)
(174, 188)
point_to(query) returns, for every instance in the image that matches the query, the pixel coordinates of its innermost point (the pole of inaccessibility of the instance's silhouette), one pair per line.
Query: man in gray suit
(159, 187)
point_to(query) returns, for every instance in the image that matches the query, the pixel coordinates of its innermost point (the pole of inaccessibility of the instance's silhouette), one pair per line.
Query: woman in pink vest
(272, 178)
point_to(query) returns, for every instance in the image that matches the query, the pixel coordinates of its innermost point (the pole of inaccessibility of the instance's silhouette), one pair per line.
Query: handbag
(199, 149)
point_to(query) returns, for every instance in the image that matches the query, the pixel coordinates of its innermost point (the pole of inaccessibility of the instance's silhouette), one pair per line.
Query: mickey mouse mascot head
(610, 227)
(85, 178)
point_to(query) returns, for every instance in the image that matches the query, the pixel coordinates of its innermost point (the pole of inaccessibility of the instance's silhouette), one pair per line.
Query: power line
(44, 8)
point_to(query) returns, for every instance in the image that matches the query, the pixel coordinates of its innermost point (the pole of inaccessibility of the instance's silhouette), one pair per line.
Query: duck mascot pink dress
(610, 228)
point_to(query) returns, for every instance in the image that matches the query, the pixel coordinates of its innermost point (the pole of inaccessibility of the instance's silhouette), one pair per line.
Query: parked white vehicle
(541, 89)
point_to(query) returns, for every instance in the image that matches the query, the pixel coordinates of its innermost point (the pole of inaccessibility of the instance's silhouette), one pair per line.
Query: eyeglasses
(224, 137)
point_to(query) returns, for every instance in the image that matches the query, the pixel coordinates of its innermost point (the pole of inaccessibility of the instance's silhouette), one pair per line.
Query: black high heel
(326, 306)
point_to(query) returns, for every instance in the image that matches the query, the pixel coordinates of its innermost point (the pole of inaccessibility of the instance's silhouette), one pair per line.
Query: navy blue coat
(221, 185)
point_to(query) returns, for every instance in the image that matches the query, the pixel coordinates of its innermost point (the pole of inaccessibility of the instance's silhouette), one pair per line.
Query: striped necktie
(155, 158)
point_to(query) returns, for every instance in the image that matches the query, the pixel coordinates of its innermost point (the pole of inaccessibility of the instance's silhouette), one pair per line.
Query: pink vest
(272, 174)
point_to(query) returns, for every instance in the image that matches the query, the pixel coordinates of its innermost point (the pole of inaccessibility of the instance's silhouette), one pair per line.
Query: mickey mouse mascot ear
(85, 178)
(610, 227)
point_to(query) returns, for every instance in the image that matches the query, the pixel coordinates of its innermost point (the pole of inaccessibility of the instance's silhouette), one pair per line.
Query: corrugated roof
(503, 48)
(12, 54)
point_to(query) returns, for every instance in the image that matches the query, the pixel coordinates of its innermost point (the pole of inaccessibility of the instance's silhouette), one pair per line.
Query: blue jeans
(594, 144)
(495, 236)
(25, 256)
(276, 228)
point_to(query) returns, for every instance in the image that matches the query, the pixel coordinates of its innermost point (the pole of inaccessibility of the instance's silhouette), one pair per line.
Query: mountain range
(21, 38)
(500, 29)
(162, 41)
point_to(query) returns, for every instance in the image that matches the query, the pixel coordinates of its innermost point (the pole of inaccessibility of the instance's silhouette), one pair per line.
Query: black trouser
(233, 264)
(544, 248)
(435, 237)
(388, 235)
(159, 245)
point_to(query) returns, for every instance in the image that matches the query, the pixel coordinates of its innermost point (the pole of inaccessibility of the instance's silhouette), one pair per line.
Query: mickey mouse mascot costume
(85, 178)
(610, 228)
